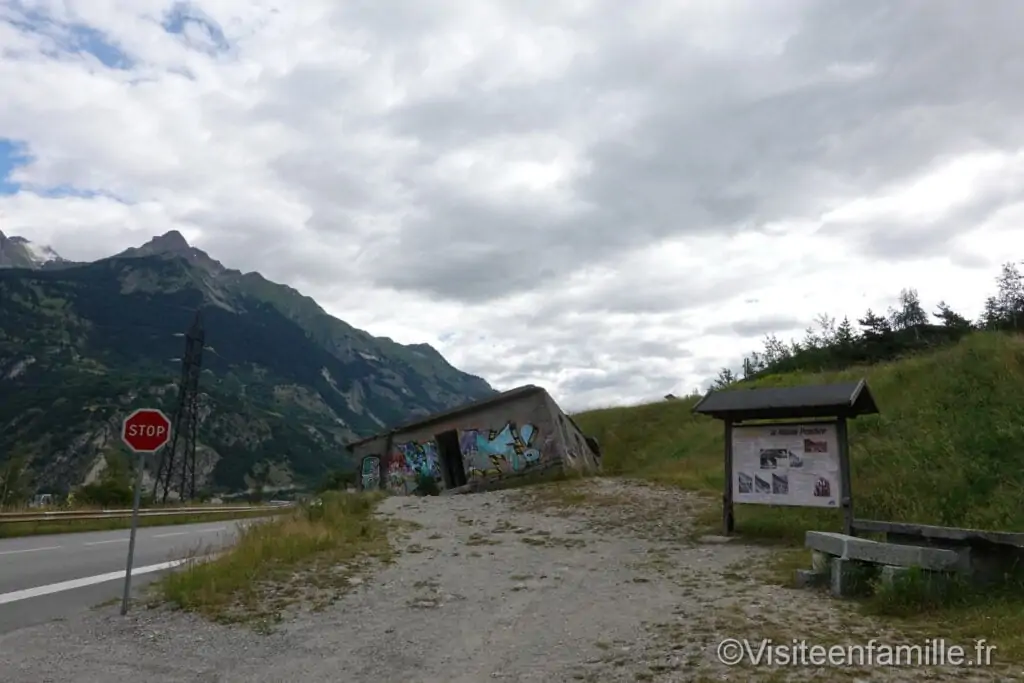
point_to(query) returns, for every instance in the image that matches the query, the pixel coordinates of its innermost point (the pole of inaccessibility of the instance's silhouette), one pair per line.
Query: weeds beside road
(308, 555)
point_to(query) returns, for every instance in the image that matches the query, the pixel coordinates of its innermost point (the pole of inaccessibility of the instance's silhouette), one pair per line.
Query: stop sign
(146, 430)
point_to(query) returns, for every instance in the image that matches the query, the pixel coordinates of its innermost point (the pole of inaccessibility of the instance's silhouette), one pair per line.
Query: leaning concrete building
(522, 431)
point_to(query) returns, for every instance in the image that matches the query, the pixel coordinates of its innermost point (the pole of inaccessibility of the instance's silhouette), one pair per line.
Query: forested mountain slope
(284, 384)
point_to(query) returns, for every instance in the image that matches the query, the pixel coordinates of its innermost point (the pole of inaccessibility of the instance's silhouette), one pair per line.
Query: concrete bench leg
(850, 578)
(818, 574)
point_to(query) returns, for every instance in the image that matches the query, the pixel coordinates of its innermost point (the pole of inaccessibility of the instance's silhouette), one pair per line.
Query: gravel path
(600, 582)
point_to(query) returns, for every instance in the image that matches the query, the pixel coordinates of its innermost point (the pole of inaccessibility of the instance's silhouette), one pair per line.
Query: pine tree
(874, 325)
(845, 336)
(811, 339)
(724, 379)
(951, 318)
(992, 315)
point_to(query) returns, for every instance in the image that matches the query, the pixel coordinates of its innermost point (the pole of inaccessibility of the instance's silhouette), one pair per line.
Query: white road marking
(27, 593)
(176, 533)
(208, 531)
(29, 550)
(116, 540)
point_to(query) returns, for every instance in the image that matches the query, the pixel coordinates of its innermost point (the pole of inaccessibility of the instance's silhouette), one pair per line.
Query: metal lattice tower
(180, 472)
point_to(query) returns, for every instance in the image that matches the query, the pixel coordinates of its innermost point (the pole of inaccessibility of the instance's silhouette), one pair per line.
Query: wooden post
(728, 521)
(846, 486)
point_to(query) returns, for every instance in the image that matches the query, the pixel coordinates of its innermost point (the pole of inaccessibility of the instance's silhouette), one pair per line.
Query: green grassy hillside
(947, 448)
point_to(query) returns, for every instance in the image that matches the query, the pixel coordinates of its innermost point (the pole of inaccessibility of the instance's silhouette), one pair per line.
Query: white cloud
(582, 194)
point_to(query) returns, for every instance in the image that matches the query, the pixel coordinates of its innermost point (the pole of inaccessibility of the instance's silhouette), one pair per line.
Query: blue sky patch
(88, 39)
(12, 155)
(70, 38)
(183, 17)
(59, 191)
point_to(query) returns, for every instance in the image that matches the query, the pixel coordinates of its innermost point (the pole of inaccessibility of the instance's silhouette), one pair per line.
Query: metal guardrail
(73, 515)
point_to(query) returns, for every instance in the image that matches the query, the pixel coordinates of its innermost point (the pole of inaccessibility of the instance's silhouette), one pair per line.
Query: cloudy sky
(612, 199)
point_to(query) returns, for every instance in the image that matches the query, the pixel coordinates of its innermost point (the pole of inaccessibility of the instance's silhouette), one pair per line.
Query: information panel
(793, 464)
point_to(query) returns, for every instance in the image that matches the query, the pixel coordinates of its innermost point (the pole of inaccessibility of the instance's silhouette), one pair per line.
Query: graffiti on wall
(511, 449)
(408, 461)
(371, 473)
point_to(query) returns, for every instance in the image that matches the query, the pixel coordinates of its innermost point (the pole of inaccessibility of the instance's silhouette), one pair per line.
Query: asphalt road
(49, 577)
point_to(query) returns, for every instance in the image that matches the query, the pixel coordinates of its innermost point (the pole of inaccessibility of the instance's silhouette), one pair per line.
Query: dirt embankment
(595, 581)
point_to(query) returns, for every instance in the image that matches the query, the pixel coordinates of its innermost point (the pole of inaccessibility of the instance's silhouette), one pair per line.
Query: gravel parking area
(593, 581)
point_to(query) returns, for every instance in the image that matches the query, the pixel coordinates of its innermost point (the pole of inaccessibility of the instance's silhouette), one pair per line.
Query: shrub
(426, 485)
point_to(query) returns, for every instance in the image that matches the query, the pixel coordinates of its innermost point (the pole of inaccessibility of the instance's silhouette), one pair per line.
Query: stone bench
(847, 563)
(992, 554)
(941, 535)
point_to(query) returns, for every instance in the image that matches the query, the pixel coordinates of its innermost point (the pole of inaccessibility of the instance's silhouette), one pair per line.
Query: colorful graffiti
(408, 461)
(499, 452)
(371, 473)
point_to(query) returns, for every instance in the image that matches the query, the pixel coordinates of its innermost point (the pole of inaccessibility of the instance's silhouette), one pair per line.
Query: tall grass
(947, 448)
(272, 563)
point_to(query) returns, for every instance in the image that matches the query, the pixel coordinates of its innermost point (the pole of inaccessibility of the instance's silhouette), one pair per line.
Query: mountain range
(284, 384)
(18, 252)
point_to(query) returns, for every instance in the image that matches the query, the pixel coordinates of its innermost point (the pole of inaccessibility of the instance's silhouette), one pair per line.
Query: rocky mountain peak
(173, 243)
(18, 252)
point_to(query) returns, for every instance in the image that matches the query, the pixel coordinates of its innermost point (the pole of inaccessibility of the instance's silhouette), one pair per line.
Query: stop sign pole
(144, 431)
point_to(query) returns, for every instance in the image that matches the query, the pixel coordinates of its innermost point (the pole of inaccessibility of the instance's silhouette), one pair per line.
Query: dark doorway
(452, 468)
